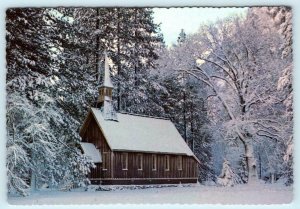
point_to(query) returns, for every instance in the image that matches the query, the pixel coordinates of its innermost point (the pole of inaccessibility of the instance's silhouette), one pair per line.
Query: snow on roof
(107, 81)
(140, 133)
(91, 152)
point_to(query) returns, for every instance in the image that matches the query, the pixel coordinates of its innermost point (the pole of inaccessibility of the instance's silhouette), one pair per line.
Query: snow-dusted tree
(17, 157)
(228, 177)
(54, 61)
(42, 153)
(279, 19)
(43, 132)
(72, 71)
(182, 37)
(131, 46)
(282, 17)
(241, 64)
(183, 101)
(26, 71)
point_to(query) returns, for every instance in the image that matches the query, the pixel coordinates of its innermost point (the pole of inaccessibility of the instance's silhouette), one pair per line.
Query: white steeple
(105, 94)
(107, 81)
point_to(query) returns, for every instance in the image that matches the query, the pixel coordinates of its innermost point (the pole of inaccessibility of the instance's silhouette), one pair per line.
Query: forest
(227, 88)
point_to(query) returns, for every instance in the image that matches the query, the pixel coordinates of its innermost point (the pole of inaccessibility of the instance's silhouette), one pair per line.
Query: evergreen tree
(50, 88)
(131, 45)
(228, 177)
(47, 134)
(184, 101)
(182, 37)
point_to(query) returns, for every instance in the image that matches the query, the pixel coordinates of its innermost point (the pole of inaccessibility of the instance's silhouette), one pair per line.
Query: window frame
(179, 162)
(124, 154)
(167, 163)
(154, 162)
(105, 161)
(140, 162)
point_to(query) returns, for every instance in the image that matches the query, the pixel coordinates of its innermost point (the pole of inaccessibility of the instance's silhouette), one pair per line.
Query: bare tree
(241, 65)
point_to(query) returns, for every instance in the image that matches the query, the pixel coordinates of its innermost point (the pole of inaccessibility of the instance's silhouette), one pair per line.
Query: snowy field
(189, 194)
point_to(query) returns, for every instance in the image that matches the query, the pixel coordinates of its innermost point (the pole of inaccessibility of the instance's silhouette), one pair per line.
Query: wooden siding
(189, 166)
(92, 134)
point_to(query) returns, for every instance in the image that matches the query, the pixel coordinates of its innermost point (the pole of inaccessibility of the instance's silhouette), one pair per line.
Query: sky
(174, 19)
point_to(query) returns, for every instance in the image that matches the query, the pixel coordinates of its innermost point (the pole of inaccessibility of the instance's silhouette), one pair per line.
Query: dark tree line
(54, 68)
(54, 61)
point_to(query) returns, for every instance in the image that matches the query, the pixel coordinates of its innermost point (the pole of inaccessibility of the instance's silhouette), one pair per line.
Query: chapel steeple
(104, 101)
(105, 90)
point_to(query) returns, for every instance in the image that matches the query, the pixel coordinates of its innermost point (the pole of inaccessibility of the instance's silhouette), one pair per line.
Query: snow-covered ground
(189, 194)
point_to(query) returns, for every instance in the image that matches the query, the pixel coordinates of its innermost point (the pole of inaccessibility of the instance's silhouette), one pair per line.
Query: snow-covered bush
(227, 176)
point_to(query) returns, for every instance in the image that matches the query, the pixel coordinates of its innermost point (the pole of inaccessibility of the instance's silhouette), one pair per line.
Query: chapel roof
(138, 133)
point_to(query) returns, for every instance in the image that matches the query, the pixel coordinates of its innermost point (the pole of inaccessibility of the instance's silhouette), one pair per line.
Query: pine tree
(228, 177)
(182, 37)
(47, 133)
(183, 101)
(131, 46)
(54, 84)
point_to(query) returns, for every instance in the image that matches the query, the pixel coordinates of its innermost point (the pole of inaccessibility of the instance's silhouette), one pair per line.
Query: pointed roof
(107, 81)
(137, 133)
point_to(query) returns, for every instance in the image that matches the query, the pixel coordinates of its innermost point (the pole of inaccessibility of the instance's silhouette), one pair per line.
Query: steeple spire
(105, 94)
(105, 90)
(107, 81)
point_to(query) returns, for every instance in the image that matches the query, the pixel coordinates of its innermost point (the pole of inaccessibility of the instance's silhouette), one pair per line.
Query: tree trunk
(184, 117)
(136, 62)
(272, 178)
(33, 181)
(251, 162)
(118, 64)
(248, 146)
(32, 173)
(192, 128)
(97, 47)
(260, 167)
